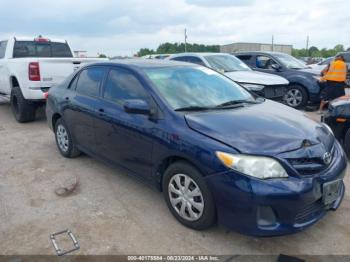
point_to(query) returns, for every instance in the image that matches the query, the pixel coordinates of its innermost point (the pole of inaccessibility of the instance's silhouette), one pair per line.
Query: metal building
(240, 47)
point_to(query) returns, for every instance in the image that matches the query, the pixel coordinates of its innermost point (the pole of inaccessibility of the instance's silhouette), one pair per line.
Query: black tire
(71, 151)
(346, 145)
(22, 109)
(296, 89)
(208, 216)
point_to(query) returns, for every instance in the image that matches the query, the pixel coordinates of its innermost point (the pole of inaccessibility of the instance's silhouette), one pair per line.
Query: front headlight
(318, 78)
(255, 166)
(253, 87)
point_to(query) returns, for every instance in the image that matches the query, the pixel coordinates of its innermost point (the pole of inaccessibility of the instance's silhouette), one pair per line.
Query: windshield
(290, 62)
(41, 49)
(226, 63)
(184, 87)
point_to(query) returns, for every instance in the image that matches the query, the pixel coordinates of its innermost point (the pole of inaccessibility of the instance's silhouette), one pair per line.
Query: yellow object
(341, 120)
(337, 72)
(226, 159)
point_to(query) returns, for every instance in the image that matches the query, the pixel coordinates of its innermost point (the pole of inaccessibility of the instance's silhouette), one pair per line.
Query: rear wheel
(22, 109)
(296, 97)
(188, 196)
(64, 140)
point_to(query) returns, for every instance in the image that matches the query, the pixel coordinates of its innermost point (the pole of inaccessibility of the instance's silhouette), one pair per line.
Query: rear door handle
(101, 112)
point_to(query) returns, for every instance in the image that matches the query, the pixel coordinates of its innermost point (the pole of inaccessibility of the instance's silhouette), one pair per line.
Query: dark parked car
(215, 150)
(338, 118)
(303, 84)
(266, 85)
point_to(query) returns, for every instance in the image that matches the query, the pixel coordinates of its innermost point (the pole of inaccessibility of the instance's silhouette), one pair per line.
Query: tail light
(34, 71)
(46, 95)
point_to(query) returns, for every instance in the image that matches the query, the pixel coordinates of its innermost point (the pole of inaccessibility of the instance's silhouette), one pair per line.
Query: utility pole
(272, 44)
(307, 45)
(185, 40)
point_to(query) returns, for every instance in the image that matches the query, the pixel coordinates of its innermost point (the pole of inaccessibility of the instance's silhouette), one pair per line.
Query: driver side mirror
(137, 106)
(276, 67)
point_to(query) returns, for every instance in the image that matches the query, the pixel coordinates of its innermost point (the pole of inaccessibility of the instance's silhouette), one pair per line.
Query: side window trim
(74, 80)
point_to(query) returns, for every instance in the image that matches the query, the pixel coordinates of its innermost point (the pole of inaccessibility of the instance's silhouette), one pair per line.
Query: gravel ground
(111, 213)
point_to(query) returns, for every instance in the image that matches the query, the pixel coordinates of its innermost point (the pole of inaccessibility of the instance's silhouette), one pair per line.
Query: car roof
(143, 63)
(259, 52)
(198, 54)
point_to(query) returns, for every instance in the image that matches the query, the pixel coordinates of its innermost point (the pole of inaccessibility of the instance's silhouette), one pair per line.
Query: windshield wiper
(194, 108)
(236, 102)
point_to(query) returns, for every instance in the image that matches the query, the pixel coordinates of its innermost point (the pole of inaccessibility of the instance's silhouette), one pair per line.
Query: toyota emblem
(327, 158)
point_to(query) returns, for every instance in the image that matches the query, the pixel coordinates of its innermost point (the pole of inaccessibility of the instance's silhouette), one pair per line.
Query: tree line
(313, 51)
(172, 48)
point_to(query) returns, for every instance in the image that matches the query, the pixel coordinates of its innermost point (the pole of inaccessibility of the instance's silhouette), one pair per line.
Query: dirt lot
(112, 213)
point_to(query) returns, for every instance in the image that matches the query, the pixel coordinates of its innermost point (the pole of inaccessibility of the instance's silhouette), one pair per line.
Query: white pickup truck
(29, 67)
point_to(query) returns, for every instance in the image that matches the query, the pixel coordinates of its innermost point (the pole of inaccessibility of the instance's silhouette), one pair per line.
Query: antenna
(307, 45)
(185, 40)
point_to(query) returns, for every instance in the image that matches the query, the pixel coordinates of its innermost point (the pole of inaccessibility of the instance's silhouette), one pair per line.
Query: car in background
(29, 67)
(338, 118)
(303, 86)
(271, 87)
(156, 56)
(317, 68)
(215, 150)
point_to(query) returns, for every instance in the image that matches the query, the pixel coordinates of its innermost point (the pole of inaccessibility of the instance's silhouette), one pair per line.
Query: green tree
(313, 51)
(173, 48)
(339, 48)
(145, 51)
(102, 56)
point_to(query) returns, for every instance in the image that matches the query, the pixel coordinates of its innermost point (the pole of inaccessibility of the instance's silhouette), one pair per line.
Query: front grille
(275, 91)
(310, 166)
(310, 211)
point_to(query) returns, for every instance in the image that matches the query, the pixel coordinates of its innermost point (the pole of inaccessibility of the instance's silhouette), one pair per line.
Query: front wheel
(188, 196)
(296, 97)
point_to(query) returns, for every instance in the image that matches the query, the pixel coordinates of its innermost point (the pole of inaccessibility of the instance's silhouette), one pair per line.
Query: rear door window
(41, 49)
(90, 80)
(245, 58)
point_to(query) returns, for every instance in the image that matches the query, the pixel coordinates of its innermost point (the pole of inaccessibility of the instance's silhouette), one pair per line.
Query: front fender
(311, 85)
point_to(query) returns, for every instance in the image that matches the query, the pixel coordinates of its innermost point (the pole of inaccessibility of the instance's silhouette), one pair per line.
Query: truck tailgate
(55, 70)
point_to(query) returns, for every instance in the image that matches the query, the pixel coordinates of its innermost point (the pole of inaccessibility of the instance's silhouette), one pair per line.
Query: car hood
(255, 77)
(268, 128)
(308, 71)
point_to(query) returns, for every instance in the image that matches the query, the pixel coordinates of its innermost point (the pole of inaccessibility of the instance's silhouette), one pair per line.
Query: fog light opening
(266, 216)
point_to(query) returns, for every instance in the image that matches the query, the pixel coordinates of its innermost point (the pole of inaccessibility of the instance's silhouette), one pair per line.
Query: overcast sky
(123, 27)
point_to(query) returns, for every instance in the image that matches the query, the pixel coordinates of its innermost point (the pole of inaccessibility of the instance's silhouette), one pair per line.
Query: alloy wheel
(62, 138)
(186, 197)
(293, 97)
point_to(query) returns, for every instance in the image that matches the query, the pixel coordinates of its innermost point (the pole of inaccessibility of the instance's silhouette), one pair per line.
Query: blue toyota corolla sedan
(218, 152)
